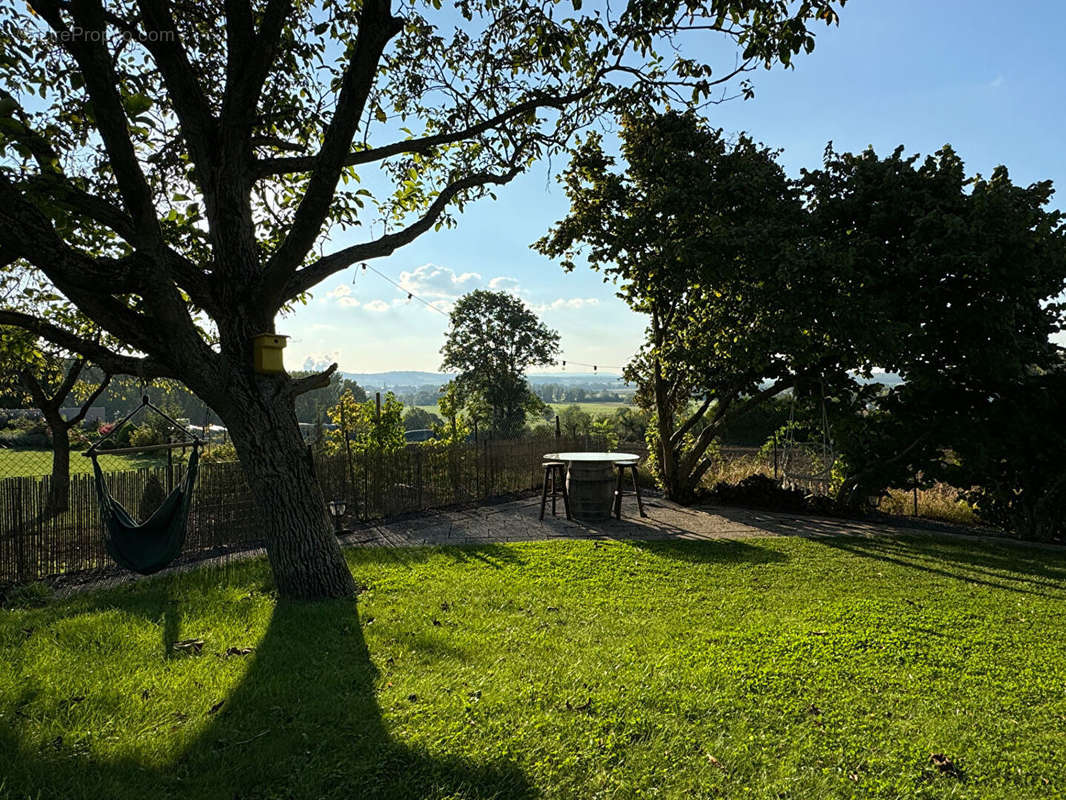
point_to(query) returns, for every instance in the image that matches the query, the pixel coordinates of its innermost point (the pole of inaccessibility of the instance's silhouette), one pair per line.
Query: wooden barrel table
(590, 482)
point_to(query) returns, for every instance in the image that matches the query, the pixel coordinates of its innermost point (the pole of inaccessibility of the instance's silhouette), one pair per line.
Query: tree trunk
(59, 489)
(301, 545)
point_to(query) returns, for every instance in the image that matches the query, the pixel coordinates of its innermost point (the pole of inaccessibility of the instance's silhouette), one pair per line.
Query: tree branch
(276, 166)
(311, 382)
(696, 416)
(318, 271)
(102, 85)
(198, 127)
(89, 402)
(376, 27)
(93, 351)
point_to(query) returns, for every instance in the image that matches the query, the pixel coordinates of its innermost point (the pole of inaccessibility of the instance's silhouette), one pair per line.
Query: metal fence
(37, 543)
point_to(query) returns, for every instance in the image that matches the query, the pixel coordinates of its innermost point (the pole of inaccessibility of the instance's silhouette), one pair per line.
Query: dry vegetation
(939, 502)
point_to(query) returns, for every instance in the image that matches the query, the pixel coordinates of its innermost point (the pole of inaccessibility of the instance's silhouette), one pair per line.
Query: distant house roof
(94, 414)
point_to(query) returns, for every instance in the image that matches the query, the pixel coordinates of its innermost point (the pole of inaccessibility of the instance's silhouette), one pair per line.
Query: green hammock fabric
(151, 545)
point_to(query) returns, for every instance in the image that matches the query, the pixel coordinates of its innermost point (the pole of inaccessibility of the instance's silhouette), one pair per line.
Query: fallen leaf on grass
(239, 651)
(945, 765)
(194, 646)
(714, 762)
(215, 707)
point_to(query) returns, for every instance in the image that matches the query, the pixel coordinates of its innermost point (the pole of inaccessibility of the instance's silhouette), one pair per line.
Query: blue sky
(986, 77)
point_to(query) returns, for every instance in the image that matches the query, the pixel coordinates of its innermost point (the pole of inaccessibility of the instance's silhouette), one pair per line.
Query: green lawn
(770, 668)
(15, 463)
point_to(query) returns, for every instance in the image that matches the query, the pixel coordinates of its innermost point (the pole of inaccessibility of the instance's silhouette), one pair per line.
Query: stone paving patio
(517, 521)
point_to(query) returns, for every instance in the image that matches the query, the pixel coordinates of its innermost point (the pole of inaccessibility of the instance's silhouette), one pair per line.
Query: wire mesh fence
(40, 539)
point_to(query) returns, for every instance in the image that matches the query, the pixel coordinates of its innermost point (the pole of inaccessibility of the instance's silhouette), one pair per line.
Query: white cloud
(430, 280)
(996, 82)
(567, 304)
(316, 362)
(503, 283)
(376, 305)
(348, 302)
(341, 291)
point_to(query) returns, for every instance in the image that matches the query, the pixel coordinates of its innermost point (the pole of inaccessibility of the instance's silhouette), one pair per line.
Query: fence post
(558, 430)
(20, 534)
(915, 488)
(418, 475)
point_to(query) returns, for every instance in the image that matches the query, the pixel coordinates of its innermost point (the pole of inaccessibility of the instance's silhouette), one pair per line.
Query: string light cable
(412, 296)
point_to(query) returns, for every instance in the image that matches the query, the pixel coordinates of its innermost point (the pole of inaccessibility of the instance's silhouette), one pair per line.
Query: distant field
(16, 463)
(591, 408)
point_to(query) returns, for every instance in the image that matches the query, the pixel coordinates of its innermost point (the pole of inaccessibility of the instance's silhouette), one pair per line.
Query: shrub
(144, 436)
(152, 496)
(761, 491)
(220, 453)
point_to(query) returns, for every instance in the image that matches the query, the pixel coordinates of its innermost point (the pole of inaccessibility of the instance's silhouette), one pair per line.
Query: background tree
(493, 339)
(704, 236)
(175, 170)
(419, 419)
(965, 277)
(310, 405)
(574, 422)
(755, 284)
(51, 381)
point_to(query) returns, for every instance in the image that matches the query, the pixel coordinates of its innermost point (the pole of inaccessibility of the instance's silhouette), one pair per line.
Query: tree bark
(59, 489)
(301, 545)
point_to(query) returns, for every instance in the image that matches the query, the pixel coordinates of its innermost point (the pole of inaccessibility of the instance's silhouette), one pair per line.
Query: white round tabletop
(591, 457)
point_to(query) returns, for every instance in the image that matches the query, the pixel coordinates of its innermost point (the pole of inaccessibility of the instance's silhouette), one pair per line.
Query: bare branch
(311, 382)
(107, 359)
(318, 271)
(423, 144)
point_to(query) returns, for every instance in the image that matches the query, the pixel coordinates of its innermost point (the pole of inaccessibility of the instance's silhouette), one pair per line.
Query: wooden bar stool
(622, 466)
(554, 471)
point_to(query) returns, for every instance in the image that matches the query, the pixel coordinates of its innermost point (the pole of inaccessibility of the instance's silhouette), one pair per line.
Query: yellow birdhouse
(266, 350)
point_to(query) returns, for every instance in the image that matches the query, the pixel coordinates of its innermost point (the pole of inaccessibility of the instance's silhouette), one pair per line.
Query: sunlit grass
(771, 668)
(25, 462)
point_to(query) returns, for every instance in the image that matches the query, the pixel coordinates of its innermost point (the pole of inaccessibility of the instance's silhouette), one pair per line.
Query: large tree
(704, 236)
(175, 170)
(963, 280)
(493, 339)
(38, 374)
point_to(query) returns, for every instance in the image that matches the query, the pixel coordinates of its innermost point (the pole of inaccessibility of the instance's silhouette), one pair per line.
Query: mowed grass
(767, 668)
(17, 463)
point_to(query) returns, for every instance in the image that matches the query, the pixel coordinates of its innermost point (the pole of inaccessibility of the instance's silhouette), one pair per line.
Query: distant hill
(378, 380)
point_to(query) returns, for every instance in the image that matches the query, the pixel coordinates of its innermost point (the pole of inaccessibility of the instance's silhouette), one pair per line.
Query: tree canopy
(755, 283)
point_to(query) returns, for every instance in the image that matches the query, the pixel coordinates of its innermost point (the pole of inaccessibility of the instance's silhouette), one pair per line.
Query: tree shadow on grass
(303, 722)
(999, 567)
(1010, 565)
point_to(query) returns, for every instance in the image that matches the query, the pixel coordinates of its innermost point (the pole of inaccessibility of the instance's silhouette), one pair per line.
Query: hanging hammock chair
(148, 546)
(802, 475)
